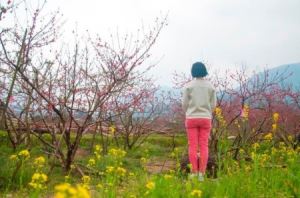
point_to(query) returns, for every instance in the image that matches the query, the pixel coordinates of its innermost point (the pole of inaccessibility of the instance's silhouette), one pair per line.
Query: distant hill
(290, 70)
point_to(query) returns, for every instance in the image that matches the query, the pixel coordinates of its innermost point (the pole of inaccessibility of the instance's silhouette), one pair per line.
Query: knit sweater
(199, 99)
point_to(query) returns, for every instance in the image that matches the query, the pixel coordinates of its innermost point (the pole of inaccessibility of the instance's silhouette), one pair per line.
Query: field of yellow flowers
(270, 170)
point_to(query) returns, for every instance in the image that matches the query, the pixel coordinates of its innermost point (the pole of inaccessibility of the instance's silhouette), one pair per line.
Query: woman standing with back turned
(199, 101)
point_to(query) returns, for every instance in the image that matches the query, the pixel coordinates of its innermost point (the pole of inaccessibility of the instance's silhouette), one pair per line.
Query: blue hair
(198, 70)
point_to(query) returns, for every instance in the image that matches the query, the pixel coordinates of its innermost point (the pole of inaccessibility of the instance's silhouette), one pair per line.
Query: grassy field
(153, 170)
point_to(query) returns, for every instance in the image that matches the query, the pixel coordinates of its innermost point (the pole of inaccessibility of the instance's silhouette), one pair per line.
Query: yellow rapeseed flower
(269, 136)
(143, 160)
(109, 169)
(273, 150)
(98, 148)
(91, 162)
(255, 145)
(167, 176)
(65, 190)
(290, 152)
(82, 192)
(274, 127)
(117, 152)
(112, 129)
(121, 171)
(150, 185)
(196, 193)
(13, 157)
(24, 154)
(264, 157)
(86, 179)
(218, 111)
(39, 161)
(275, 117)
(242, 151)
(38, 181)
(189, 166)
(247, 168)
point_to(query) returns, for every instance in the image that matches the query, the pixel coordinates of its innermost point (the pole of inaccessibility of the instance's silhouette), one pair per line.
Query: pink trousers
(198, 131)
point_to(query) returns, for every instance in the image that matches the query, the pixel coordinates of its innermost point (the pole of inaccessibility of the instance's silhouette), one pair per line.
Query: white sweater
(199, 99)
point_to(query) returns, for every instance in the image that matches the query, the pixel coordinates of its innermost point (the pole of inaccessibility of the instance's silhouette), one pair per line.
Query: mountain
(290, 72)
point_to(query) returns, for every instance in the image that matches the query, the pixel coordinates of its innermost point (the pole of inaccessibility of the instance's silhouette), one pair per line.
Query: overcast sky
(222, 33)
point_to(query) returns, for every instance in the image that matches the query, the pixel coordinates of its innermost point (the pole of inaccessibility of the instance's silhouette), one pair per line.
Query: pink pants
(198, 130)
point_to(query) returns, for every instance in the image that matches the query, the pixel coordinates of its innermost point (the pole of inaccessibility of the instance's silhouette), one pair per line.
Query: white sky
(222, 33)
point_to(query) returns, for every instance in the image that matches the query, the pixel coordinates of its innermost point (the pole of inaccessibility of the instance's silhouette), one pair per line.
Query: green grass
(269, 174)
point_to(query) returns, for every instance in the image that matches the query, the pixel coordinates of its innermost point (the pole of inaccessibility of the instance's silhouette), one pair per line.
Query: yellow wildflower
(98, 148)
(121, 171)
(273, 150)
(168, 176)
(39, 161)
(247, 168)
(274, 127)
(117, 152)
(269, 136)
(112, 129)
(62, 187)
(189, 166)
(275, 117)
(255, 145)
(91, 162)
(143, 160)
(196, 193)
(218, 111)
(290, 138)
(65, 190)
(82, 192)
(24, 153)
(109, 169)
(290, 152)
(38, 181)
(242, 151)
(264, 157)
(150, 185)
(13, 157)
(86, 179)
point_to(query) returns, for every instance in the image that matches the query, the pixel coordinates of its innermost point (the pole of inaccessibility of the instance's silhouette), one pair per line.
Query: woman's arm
(213, 100)
(185, 99)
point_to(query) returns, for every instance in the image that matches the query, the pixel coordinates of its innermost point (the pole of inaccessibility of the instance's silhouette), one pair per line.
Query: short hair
(198, 70)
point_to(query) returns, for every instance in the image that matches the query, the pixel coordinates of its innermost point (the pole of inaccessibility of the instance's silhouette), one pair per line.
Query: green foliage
(261, 170)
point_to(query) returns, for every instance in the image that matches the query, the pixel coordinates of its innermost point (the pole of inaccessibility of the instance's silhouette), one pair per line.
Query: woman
(199, 101)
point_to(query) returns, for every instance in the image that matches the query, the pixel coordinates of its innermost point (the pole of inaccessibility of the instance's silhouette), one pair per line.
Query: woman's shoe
(192, 176)
(200, 177)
